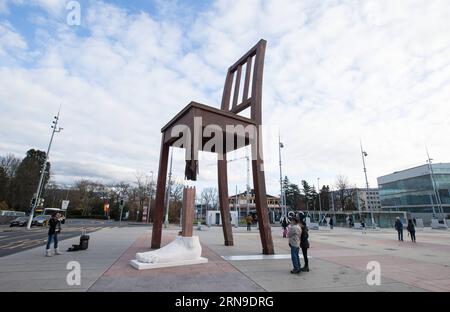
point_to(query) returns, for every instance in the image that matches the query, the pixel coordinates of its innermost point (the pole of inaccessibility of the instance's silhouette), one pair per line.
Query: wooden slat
(250, 53)
(248, 72)
(256, 113)
(239, 108)
(227, 92)
(237, 86)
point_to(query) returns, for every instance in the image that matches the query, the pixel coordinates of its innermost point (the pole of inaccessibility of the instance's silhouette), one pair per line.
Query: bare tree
(209, 198)
(346, 193)
(9, 163)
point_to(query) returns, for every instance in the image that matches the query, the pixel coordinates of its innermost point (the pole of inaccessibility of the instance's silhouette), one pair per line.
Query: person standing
(54, 228)
(284, 225)
(363, 226)
(331, 223)
(304, 245)
(412, 230)
(294, 242)
(399, 228)
(249, 221)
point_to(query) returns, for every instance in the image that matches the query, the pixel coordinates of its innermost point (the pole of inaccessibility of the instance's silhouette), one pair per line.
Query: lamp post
(56, 129)
(363, 155)
(282, 198)
(320, 203)
(150, 198)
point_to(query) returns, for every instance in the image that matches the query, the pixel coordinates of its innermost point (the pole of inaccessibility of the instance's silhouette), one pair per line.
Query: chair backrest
(237, 96)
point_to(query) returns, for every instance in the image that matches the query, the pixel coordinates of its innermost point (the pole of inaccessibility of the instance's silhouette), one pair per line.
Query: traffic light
(121, 202)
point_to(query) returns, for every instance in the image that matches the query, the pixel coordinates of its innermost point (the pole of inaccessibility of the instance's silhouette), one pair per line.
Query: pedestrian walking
(399, 228)
(294, 242)
(249, 221)
(304, 245)
(331, 223)
(412, 230)
(284, 225)
(363, 226)
(53, 230)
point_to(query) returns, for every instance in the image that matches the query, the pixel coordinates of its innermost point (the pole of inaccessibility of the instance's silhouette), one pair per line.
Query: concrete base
(146, 266)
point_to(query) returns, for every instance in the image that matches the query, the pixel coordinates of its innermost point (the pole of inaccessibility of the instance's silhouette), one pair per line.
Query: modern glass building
(412, 190)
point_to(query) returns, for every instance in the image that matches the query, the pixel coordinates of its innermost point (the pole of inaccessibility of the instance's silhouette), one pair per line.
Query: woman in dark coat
(284, 225)
(412, 230)
(304, 245)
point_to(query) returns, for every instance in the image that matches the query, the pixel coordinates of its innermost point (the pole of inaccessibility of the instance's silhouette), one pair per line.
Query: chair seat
(205, 109)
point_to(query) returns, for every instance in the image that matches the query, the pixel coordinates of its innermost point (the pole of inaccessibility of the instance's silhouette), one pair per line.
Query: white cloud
(335, 73)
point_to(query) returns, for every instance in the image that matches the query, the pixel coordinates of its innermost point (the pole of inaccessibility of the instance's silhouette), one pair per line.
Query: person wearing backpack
(304, 245)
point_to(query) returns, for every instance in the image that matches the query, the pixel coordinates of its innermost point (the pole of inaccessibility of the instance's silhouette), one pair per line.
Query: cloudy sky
(336, 72)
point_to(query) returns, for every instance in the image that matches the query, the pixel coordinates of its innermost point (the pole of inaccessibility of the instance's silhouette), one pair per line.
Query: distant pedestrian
(304, 245)
(331, 223)
(294, 242)
(399, 228)
(249, 221)
(363, 225)
(350, 222)
(412, 230)
(284, 225)
(54, 228)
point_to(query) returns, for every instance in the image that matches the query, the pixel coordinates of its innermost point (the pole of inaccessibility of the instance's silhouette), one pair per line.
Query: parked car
(20, 221)
(41, 220)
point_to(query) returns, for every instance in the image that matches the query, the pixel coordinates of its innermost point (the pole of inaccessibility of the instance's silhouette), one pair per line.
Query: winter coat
(398, 225)
(294, 235)
(304, 242)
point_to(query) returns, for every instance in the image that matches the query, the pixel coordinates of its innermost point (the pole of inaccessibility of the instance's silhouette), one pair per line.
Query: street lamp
(320, 203)
(150, 198)
(282, 198)
(56, 129)
(363, 155)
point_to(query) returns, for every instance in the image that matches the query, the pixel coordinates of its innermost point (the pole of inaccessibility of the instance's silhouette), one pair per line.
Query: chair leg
(261, 205)
(158, 212)
(223, 201)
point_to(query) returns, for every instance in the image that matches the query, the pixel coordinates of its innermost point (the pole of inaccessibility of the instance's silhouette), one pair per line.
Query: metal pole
(44, 166)
(166, 221)
(236, 205)
(364, 154)
(320, 203)
(150, 198)
(283, 204)
(248, 185)
(121, 211)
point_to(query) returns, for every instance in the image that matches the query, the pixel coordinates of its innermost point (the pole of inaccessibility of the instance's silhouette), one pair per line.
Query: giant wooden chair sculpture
(226, 116)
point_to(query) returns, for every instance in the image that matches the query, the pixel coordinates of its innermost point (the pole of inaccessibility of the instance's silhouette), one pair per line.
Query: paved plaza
(338, 262)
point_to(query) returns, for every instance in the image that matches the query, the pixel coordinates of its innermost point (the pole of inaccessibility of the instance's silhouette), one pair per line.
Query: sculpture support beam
(223, 200)
(158, 212)
(188, 211)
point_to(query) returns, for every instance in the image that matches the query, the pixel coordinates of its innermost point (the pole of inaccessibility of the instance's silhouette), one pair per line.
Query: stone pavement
(338, 263)
(30, 270)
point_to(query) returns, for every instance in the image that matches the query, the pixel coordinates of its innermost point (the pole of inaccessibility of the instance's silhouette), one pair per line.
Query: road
(17, 239)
